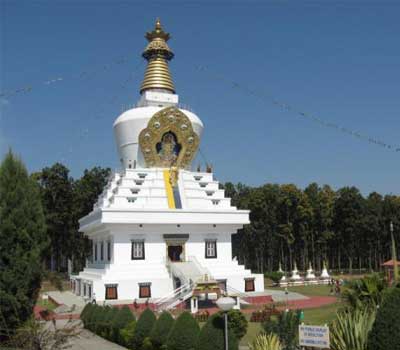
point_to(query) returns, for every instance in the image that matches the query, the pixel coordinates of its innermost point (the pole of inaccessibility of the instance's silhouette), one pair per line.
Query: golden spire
(157, 53)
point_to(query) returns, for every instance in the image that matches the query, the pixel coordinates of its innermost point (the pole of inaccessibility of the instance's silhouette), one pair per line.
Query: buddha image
(168, 149)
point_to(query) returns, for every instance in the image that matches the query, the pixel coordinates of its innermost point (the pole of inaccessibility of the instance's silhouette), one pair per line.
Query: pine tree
(161, 329)
(23, 240)
(184, 334)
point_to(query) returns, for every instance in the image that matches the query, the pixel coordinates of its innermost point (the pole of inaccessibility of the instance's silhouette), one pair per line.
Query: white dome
(128, 126)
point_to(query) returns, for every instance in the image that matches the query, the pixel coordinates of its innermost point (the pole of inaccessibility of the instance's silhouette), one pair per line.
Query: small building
(389, 269)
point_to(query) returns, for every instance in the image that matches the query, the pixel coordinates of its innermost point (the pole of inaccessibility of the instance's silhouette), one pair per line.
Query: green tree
(86, 191)
(184, 334)
(23, 240)
(212, 335)
(385, 333)
(161, 329)
(143, 328)
(349, 211)
(57, 198)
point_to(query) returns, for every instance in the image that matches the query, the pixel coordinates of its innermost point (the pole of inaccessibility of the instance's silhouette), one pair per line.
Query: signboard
(314, 336)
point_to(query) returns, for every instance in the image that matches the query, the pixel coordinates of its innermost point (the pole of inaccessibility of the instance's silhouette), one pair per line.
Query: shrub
(85, 314)
(184, 333)
(275, 276)
(95, 317)
(161, 329)
(237, 322)
(127, 333)
(350, 329)
(285, 327)
(109, 331)
(266, 342)
(105, 326)
(385, 333)
(143, 328)
(101, 321)
(147, 345)
(365, 292)
(260, 316)
(212, 335)
(119, 321)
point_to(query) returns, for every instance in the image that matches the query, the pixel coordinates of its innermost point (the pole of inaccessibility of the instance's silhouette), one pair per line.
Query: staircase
(173, 299)
(189, 272)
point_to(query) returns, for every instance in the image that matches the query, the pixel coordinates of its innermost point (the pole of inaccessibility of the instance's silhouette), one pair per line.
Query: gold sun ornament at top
(169, 140)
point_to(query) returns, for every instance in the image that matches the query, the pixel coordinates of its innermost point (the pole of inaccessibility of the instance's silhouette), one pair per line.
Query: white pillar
(194, 306)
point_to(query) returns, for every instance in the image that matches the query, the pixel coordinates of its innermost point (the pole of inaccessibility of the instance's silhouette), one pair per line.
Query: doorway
(175, 253)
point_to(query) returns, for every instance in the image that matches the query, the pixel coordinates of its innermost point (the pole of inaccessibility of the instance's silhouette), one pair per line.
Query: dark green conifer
(143, 328)
(161, 329)
(385, 333)
(184, 334)
(22, 243)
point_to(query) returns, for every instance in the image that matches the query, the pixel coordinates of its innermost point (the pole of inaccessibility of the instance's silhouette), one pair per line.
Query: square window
(211, 249)
(144, 290)
(111, 291)
(249, 285)
(138, 250)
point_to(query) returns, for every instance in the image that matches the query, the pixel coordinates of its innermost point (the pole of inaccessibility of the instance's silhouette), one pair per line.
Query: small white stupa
(283, 281)
(325, 277)
(296, 278)
(310, 276)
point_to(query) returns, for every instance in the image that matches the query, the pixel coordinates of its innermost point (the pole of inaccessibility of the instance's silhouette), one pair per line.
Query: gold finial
(157, 53)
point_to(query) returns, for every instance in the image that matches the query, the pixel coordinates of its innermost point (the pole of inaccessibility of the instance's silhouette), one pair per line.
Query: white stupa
(295, 278)
(310, 273)
(159, 226)
(283, 281)
(310, 276)
(325, 277)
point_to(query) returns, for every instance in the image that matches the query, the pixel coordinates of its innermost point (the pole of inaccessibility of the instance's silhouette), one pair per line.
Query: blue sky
(339, 61)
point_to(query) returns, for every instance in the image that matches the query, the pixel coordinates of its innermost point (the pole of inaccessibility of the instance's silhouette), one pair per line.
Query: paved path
(279, 295)
(67, 298)
(90, 341)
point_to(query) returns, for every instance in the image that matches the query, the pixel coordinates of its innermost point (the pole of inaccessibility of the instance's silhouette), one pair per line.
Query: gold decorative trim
(157, 53)
(166, 121)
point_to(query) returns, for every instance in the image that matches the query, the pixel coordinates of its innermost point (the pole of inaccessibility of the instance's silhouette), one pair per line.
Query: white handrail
(175, 292)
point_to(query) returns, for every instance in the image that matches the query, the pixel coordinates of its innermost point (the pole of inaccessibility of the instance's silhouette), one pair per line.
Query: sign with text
(314, 336)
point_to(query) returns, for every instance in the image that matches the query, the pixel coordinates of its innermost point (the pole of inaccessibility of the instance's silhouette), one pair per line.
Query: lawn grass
(314, 316)
(253, 329)
(322, 315)
(47, 304)
(311, 290)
